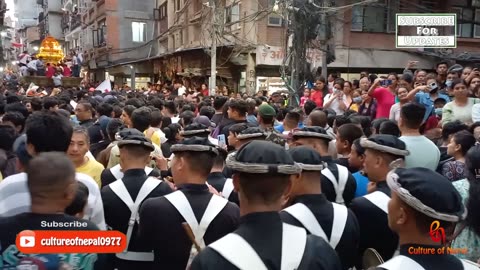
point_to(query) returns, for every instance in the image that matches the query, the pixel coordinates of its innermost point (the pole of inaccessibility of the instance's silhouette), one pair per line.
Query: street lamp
(35, 48)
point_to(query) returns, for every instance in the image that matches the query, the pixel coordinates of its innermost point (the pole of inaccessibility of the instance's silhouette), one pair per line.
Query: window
(274, 19)
(232, 13)
(163, 11)
(139, 31)
(377, 18)
(178, 5)
(468, 18)
(102, 33)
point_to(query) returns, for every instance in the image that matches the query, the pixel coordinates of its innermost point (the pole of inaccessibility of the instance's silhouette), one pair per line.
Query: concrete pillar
(251, 79)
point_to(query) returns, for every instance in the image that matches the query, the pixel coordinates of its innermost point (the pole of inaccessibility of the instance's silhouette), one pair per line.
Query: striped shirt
(15, 198)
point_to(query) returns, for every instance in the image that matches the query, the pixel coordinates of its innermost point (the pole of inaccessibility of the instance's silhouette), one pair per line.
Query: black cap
(385, 143)
(251, 133)
(312, 132)
(194, 144)
(427, 192)
(262, 157)
(126, 132)
(136, 139)
(195, 129)
(307, 158)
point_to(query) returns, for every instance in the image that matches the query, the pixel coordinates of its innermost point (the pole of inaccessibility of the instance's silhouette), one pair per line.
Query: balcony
(75, 22)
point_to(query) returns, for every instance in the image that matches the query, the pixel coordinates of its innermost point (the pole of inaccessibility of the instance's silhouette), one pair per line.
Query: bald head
(318, 119)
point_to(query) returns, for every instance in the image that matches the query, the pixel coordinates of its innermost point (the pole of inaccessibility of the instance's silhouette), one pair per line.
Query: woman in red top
(320, 91)
(204, 90)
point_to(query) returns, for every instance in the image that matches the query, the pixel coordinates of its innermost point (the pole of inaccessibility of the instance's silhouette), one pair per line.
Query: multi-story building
(50, 19)
(72, 24)
(116, 33)
(26, 13)
(252, 39)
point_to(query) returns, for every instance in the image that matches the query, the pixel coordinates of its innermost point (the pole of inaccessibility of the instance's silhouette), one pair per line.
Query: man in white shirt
(47, 132)
(423, 152)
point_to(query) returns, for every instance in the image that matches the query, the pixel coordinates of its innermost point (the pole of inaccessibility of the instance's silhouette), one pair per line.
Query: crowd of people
(200, 179)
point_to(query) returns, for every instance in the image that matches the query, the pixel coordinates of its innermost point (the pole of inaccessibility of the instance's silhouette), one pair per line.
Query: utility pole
(213, 50)
(325, 23)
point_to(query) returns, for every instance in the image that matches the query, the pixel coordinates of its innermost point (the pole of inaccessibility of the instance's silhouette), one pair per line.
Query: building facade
(171, 40)
(50, 19)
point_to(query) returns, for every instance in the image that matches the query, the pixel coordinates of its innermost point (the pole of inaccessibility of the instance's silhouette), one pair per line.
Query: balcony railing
(76, 21)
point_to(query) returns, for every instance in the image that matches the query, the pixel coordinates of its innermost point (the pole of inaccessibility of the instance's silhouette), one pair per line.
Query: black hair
(237, 128)
(441, 63)
(309, 106)
(50, 102)
(472, 161)
(16, 118)
(117, 111)
(358, 147)
(104, 109)
(129, 109)
(350, 132)
(17, 107)
(200, 162)
(364, 121)
(115, 125)
(187, 117)
(412, 115)
(171, 131)
(389, 127)
(36, 104)
(451, 128)
(440, 101)
(170, 107)
(79, 202)
(207, 111)
(465, 139)
(141, 118)
(48, 132)
(376, 124)
(220, 158)
(458, 81)
(137, 103)
(8, 135)
(341, 120)
(157, 118)
(474, 126)
(239, 105)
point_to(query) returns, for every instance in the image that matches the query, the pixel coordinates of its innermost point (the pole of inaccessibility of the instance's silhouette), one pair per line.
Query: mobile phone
(222, 141)
(386, 83)
(433, 86)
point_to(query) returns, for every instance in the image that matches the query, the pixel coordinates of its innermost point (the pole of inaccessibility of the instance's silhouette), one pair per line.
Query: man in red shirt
(50, 71)
(67, 72)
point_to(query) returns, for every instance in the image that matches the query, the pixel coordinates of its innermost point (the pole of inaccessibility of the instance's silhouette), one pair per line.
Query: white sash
(240, 253)
(401, 263)
(379, 199)
(468, 265)
(118, 174)
(303, 214)
(180, 202)
(227, 188)
(340, 185)
(118, 187)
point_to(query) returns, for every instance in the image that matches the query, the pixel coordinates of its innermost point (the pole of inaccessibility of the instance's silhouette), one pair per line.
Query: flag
(105, 87)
